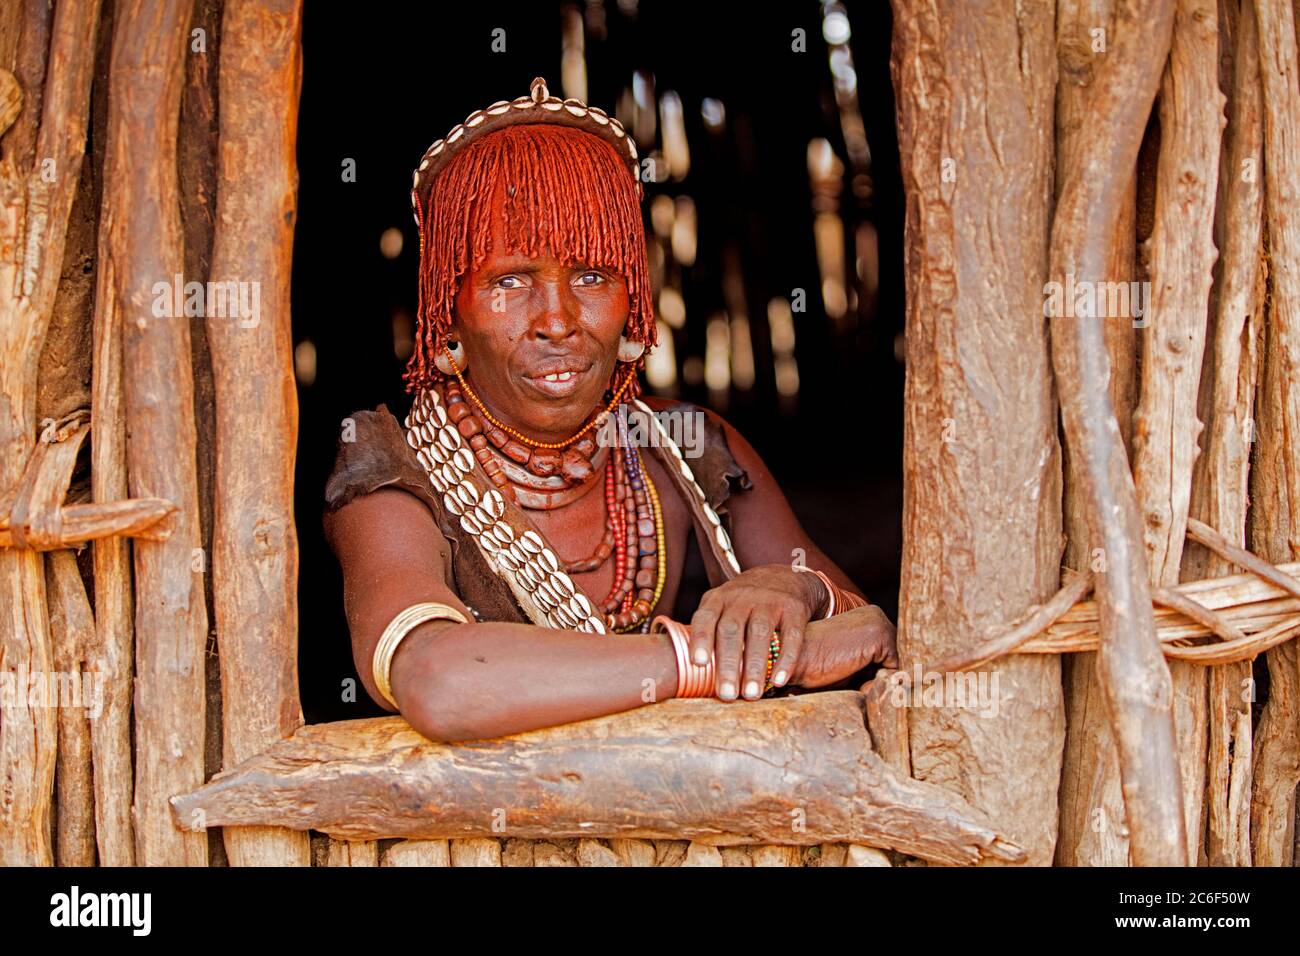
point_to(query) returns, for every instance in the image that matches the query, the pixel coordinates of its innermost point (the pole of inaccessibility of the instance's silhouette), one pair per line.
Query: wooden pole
(1275, 477)
(39, 175)
(1091, 805)
(798, 771)
(1220, 484)
(255, 558)
(976, 137)
(1131, 667)
(1166, 429)
(145, 247)
(73, 629)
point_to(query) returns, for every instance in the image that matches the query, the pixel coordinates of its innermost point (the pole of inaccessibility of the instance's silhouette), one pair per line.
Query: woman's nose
(557, 313)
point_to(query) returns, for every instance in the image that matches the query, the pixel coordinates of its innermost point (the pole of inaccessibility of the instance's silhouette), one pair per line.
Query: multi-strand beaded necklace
(547, 475)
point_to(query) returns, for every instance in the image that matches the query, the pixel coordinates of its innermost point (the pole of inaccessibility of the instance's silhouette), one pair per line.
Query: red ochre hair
(554, 188)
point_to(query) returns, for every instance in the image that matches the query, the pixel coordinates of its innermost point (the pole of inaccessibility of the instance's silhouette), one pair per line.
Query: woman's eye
(510, 282)
(591, 278)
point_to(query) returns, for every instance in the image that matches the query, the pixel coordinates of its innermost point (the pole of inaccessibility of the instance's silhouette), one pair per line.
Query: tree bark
(145, 248)
(975, 85)
(798, 771)
(1131, 666)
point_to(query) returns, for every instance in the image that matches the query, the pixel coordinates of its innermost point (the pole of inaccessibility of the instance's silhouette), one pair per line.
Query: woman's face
(540, 338)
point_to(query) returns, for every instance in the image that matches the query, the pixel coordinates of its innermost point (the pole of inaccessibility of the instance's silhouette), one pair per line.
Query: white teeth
(559, 376)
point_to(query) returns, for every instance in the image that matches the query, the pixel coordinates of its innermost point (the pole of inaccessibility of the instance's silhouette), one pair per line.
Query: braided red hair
(556, 189)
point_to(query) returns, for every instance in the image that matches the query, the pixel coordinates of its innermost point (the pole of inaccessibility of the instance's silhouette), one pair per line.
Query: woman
(531, 479)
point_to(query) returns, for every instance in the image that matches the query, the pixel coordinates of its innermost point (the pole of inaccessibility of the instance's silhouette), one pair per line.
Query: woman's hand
(735, 621)
(838, 647)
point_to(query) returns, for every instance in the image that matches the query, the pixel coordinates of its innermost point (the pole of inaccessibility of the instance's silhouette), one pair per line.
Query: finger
(728, 645)
(704, 624)
(891, 655)
(758, 642)
(791, 646)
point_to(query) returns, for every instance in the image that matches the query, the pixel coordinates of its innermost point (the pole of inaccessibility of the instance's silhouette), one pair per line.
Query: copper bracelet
(693, 680)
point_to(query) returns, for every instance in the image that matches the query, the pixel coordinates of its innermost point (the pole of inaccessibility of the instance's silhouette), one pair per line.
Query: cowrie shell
(452, 503)
(467, 493)
(563, 584)
(548, 560)
(494, 503)
(448, 438)
(503, 532)
(462, 460)
(532, 542)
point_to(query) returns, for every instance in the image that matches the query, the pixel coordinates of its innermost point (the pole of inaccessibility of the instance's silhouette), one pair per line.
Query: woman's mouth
(559, 383)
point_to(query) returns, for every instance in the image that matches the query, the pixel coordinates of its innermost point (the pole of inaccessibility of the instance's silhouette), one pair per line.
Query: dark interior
(380, 87)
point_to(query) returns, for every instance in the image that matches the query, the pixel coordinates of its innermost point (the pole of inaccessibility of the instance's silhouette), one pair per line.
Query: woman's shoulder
(372, 454)
(701, 435)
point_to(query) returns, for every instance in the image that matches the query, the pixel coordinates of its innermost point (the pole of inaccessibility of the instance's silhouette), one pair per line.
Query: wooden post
(256, 547)
(1130, 664)
(1275, 477)
(981, 463)
(1166, 429)
(1219, 488)
(1092, 807)
(38, 182)
(146, 251)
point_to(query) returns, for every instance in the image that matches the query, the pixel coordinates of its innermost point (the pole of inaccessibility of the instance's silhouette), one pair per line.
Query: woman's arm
(469, 681)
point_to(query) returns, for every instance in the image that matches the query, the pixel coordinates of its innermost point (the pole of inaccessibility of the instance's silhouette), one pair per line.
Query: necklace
(544, 479)
(628, 379)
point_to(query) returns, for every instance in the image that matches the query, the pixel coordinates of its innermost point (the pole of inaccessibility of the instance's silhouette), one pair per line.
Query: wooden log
(1275, 475)
(563, 853)
(80, 524)
(197, 176)
(353, 853)
(113, 648)
(670, 852)
(476, 852)
(701, 854)
(48, 137)
(73, 630)
(769, 855)
(417, 853)
(634, 852)
(887, 723)
(798, 770)
(1221, 481)
(517, 853)
(255, 559)
(1166, 428)
(980, 421)
(595, 853)
(145, 248)
(1131, 667)
(865, 856)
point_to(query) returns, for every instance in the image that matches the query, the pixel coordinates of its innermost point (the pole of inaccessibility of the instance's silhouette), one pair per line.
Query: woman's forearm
(472, 681)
